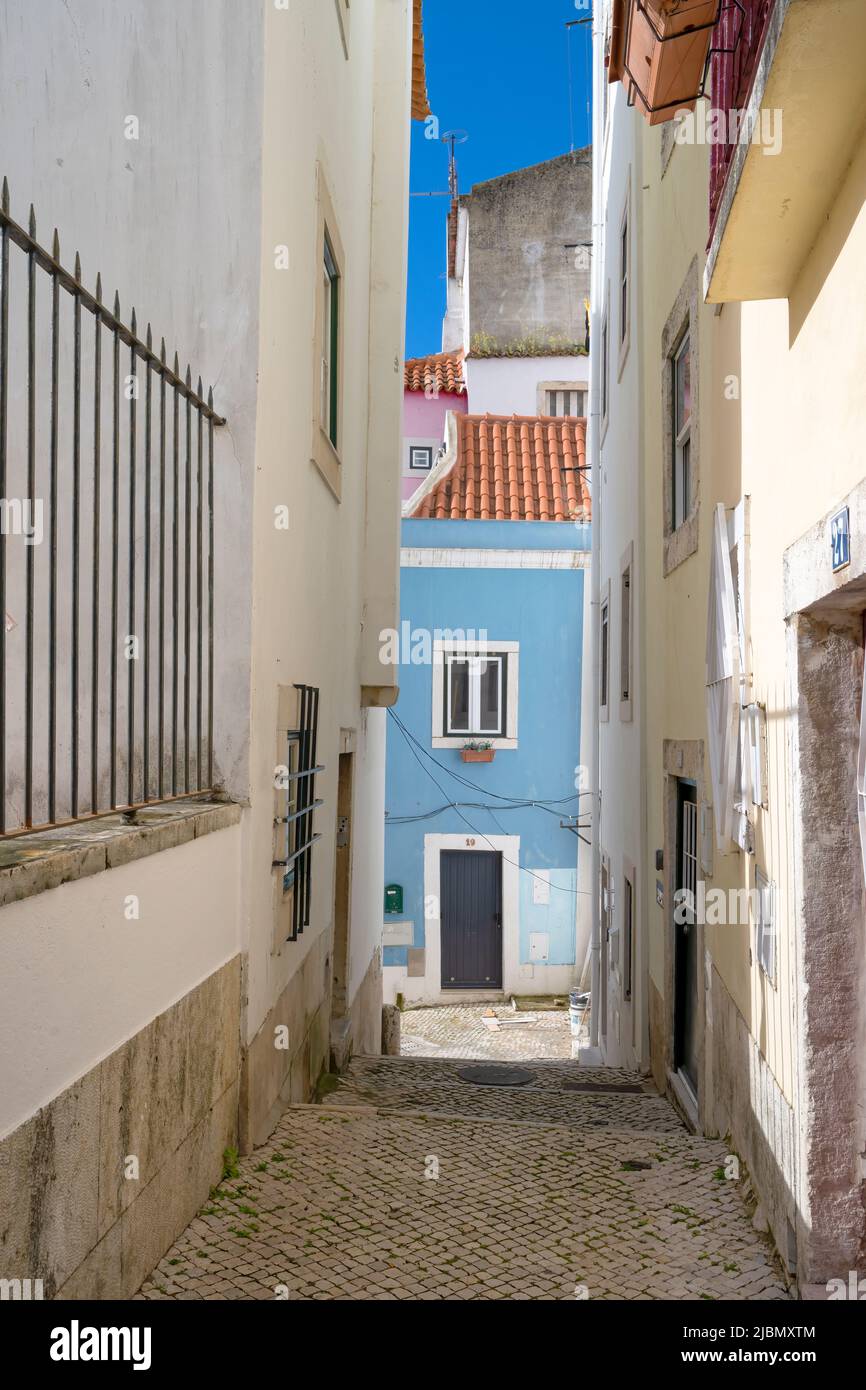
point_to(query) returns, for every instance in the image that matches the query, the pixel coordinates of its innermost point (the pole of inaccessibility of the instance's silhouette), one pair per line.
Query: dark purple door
(471, 919)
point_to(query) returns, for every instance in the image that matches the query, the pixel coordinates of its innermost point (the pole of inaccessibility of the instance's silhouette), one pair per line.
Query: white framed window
(729, 682)
(624, 275)
(330, 330)
(475, 692)
(723, 682)
(605, 366)
(604, 656)
(421, 458)
(627, 934)
(758, 754)
(765, 925)
(681, 369)
(327, 405)
(625, 636)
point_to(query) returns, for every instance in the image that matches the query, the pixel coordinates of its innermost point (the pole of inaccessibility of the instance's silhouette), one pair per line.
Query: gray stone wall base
(360, 1030)
(69, 1215)
(273, 1077)
(746, 1103)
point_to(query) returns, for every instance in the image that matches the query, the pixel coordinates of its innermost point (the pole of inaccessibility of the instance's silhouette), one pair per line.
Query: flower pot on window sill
(477, 755)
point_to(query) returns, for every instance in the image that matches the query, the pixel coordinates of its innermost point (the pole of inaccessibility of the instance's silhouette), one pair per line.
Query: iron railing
(742, 31)
(294, 828)
(106, 553)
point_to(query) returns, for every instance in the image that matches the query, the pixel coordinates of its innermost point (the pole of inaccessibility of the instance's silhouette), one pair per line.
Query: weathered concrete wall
(69, 1214)
(527, 277)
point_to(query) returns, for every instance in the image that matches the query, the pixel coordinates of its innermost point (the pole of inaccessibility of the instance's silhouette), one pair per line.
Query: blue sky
(497, 69)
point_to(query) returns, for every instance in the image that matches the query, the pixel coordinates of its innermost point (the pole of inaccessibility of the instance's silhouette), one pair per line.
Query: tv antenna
(452, 138)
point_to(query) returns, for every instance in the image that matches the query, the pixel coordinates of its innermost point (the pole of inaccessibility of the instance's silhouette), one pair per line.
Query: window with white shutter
(765, 926)
(738, 539)
(723, 682)
(758, 754)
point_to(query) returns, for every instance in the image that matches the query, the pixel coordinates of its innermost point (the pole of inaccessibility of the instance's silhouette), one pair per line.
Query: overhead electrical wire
(542, 802)
(572, 892)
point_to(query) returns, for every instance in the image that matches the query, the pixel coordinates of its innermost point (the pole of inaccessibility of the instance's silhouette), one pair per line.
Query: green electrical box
(393, 898)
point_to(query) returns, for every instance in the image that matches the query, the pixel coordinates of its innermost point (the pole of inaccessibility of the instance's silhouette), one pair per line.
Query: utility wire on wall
(410, 741)
(543, 802)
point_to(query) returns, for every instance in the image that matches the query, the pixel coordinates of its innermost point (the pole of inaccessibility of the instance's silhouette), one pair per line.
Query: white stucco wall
(509, 385)
(616, 514)
(368, 873)
(170, 219)
(325, 588)
(78, 977)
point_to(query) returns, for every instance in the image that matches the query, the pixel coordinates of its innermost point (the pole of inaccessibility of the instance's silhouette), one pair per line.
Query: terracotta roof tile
(512, 468)
(444, 369)
(420, 104)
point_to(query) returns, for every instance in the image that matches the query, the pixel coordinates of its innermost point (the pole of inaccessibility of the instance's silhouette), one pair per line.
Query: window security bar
(301, 803)
(107, 630)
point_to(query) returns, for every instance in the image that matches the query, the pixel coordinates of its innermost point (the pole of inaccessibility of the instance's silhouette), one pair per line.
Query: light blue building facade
(485, 889)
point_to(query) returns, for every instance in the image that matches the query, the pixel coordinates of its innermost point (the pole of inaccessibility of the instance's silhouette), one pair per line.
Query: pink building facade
(432, 386)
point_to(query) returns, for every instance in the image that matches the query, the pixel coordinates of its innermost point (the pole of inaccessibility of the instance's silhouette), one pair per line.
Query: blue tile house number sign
(840, 540)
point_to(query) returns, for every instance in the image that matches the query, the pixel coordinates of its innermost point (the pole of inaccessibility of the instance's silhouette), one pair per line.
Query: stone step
(546, 1073)
(442, 1092)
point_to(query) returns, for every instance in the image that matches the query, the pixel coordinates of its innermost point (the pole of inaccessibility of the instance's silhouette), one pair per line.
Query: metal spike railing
(66, 640)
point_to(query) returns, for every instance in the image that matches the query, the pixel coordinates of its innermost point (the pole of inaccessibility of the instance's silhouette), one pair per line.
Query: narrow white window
(605, 355)
(627, 936)
(330, 339)
(623, 280)
(625, 637)
(604, 656)
(681, 433)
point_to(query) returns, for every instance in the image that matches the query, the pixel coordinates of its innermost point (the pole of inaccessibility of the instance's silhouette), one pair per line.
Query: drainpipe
(595, 590)
(594, 772)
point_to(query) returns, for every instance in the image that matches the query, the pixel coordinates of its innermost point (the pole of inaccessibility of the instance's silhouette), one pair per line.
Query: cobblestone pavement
(410, 1183)
(458, 1030)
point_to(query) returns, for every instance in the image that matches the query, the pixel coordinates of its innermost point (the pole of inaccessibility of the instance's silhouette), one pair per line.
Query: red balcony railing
(742, 29)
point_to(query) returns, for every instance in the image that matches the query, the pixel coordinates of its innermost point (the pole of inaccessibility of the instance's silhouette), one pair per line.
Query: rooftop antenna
(452, 138)
(569, 25)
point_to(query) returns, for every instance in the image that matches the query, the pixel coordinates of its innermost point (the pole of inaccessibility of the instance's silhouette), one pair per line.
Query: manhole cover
(495, 1076)
(603, 1088)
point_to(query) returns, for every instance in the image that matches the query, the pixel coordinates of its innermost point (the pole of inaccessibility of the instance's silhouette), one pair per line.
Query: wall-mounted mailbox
(394, 898)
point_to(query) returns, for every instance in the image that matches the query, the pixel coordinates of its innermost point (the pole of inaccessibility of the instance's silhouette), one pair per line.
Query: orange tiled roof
(420, 104)
(510, 468)
(442, 369)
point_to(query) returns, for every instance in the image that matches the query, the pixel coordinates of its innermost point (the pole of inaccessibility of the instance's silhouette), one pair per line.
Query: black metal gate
(471, 917)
